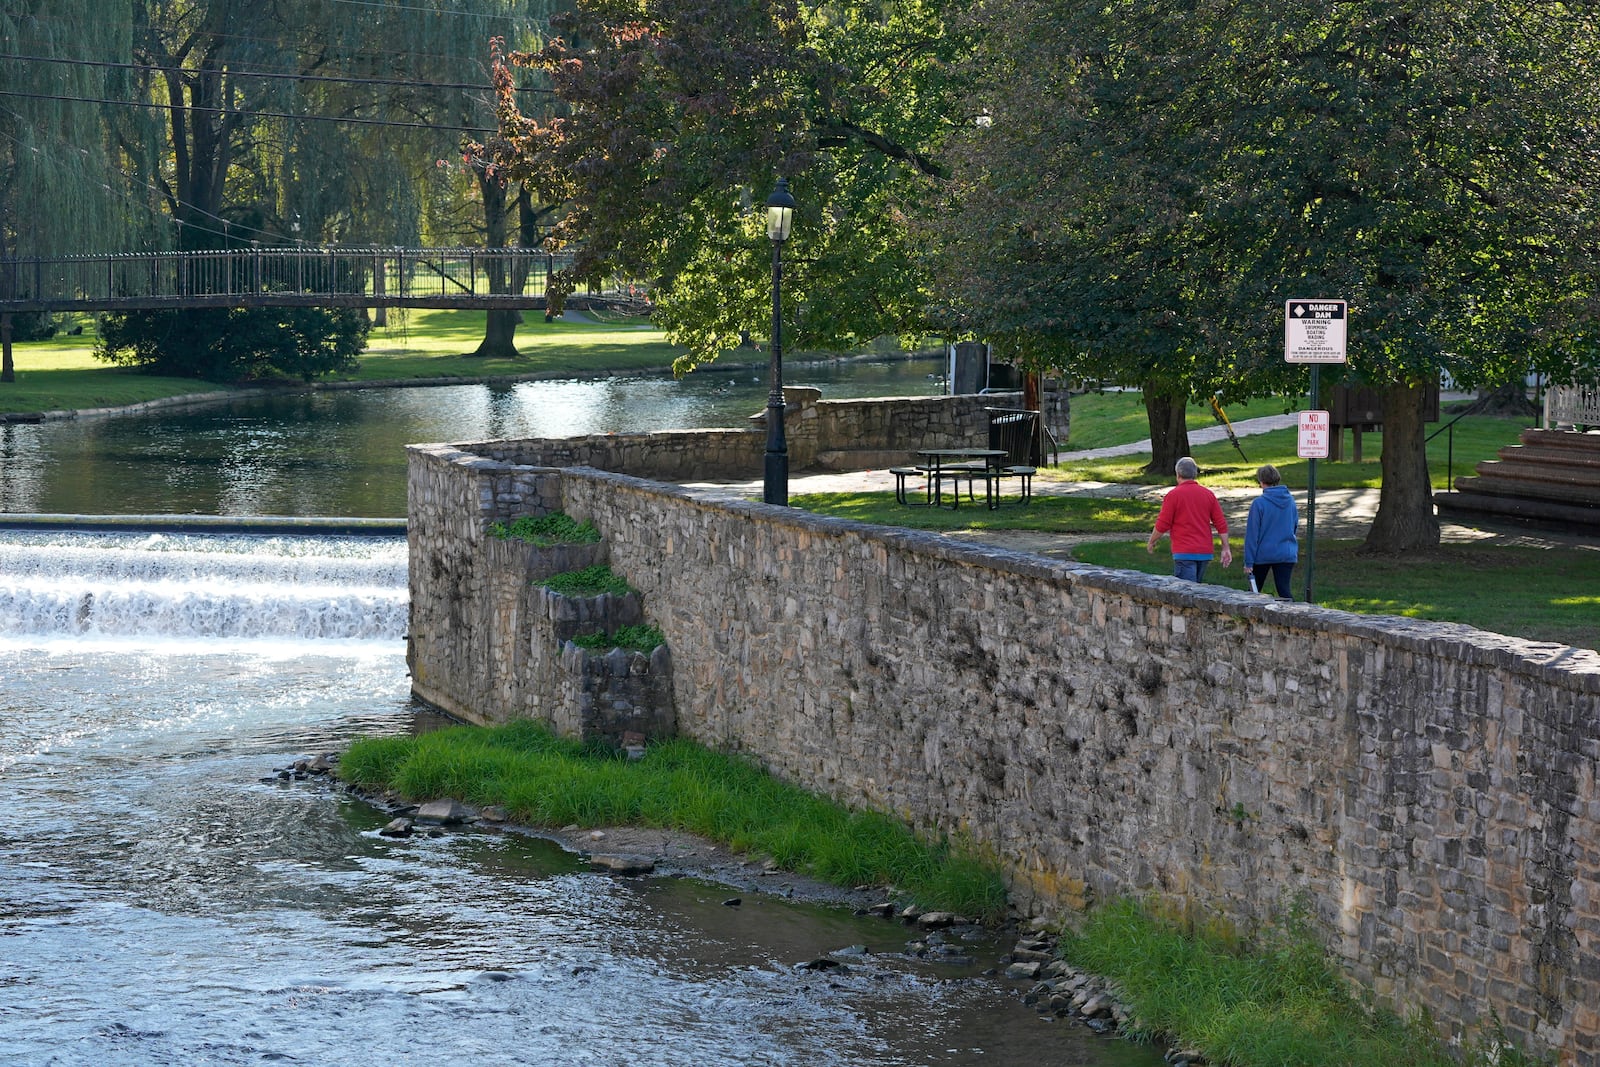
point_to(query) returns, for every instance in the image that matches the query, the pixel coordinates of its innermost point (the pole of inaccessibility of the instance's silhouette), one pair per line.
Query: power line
(341, 79)
(133, 181)
(248, 114)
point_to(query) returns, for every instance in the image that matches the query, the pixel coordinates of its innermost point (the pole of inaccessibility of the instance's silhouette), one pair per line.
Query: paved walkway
(1341, 513)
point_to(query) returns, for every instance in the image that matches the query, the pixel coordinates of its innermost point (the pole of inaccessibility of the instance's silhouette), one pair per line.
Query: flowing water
(165, 899)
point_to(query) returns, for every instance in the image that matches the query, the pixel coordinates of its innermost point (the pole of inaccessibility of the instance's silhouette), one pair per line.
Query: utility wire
(248, 114)
(245, 39)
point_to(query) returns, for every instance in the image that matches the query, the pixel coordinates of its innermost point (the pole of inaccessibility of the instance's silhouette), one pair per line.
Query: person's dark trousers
(1281, 574)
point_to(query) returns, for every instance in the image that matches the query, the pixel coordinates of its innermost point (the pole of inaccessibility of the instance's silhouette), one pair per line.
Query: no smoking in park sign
(1314, 437)
(1313, 331)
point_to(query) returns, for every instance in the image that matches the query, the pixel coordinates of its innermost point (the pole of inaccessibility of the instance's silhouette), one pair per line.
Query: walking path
(1341, 513)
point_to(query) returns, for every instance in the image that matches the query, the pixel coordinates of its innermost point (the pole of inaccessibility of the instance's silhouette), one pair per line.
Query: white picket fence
(1572, 405)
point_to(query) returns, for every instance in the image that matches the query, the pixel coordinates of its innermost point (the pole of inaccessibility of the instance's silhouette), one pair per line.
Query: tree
(53, 139)
(680, 114)
(1436, 165)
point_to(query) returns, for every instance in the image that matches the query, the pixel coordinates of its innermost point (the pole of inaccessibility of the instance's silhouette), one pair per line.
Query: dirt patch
(675, 852)
(669, 852)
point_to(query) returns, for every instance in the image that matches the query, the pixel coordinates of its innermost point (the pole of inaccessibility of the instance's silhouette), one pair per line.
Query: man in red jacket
(1190, 512)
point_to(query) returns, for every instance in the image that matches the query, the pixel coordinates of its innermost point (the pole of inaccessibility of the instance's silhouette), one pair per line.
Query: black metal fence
(357, 277)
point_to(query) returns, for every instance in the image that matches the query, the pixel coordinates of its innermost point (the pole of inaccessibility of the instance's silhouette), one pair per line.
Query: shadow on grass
(1542, 594)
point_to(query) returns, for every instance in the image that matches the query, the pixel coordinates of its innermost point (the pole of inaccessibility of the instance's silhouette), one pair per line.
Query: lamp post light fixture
(775, 487)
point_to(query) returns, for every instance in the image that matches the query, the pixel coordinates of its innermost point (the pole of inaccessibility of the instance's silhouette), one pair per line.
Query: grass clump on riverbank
(1273, 1002)
(542, 780)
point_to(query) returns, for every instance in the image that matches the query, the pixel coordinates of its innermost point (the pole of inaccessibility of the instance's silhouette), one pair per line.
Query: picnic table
(952, 464)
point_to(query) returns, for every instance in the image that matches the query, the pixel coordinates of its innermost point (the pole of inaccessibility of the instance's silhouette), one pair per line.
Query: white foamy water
(189, 591)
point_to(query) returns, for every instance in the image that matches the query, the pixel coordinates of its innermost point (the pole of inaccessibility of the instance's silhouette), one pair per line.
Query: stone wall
(1427, 789)
(832, 434)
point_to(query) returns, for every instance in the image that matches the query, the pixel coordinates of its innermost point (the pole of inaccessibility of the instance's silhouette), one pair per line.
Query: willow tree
(1437, 165)
(64, 184)
(679, 115)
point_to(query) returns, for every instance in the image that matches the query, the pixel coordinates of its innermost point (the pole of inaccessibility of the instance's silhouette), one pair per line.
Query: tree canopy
(679, 116)
(1436, 165)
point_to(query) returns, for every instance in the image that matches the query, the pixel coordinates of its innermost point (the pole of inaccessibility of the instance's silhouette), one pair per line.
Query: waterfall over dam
(144, 589)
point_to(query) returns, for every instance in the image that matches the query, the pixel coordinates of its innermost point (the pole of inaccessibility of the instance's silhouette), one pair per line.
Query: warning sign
(1313, 331)
(1314, 435)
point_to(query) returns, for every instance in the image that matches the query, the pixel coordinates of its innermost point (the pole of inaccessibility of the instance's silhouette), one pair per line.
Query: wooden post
(8, 370)
(380, 314)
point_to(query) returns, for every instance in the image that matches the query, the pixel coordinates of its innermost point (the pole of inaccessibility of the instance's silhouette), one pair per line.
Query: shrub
(556, 528)
(234, 344)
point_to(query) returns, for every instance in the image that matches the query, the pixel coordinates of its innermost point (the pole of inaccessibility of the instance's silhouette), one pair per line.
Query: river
(342, 452)
(167, 899)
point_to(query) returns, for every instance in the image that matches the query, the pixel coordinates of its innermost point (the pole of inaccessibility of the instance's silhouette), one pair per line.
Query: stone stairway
(1551, 479)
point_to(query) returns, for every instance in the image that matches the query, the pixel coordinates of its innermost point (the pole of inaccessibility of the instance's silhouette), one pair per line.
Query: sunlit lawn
(1053, 514)
(62, 373)
(432, 344)
(1477, 438)
(1102, 420)
(1544, 594)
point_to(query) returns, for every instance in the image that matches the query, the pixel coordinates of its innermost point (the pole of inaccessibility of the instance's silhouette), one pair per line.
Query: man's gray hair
(1188, 468)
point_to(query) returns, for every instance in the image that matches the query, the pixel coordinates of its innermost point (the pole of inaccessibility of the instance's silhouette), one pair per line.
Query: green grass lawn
(62, 373)
(1544, 594)
(1477, 438)
(1064, 515)
(1103, 420)
(434, 344)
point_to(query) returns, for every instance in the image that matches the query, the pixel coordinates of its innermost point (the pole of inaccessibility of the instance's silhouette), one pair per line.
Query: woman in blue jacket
(1270, 534)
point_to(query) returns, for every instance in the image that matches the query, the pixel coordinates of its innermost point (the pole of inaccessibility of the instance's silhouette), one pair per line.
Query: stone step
(1540, 473)
(1492, 484)
(1540, 513)
(1578, 459)
(1563, 439)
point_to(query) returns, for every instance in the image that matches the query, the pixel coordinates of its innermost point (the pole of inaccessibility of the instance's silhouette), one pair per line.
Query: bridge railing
(353, 276)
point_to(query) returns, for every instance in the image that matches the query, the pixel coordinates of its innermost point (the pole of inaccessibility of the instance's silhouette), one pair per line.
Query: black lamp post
(780, 213)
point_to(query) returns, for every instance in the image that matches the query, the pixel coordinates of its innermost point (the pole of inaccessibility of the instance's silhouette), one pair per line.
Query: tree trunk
(1405, 521)
(8, 370)
(500, 331)
(1509, 398)
(1167, 413)
(500, 335)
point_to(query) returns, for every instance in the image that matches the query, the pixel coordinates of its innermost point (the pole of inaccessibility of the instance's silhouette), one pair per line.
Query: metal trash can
(1017, 432)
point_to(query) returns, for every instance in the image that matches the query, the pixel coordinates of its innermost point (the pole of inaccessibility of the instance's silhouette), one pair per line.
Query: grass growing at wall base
(1274, 1001)
(543, 780)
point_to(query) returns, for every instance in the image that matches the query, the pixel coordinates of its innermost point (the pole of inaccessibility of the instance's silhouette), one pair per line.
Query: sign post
(1314, 333)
